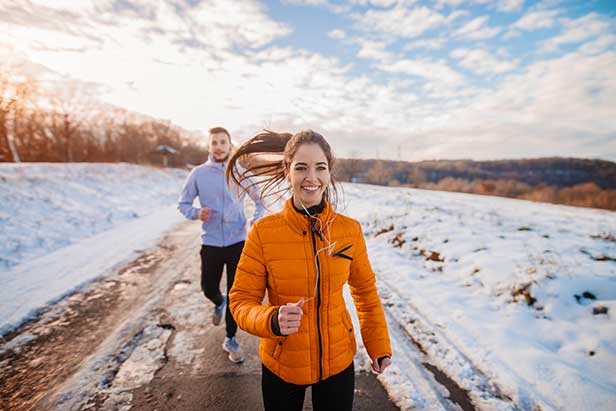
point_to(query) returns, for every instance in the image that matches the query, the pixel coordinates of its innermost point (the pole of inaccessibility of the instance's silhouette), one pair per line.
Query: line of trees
(553, 171)
(36, 125)
(570, 181)
(587, 194)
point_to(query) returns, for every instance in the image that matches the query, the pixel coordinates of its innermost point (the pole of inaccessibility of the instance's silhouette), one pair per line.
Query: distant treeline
(42, 126)
(36, 125)
(571, 181)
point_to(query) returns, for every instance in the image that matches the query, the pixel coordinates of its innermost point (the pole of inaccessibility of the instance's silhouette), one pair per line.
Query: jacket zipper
(222, 218)
(313, 230)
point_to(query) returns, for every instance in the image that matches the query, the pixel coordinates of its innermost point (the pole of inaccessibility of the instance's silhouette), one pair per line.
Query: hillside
(571, 181)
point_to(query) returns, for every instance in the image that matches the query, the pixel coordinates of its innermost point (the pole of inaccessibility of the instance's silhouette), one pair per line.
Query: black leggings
(213, 260)
(333, 393)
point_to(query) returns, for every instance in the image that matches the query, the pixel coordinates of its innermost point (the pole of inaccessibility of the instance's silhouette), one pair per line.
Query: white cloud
(455, 3)
(326, 4)
(476, 30)
(599, 45)
(501, 5)
(503, 52)
(378, 3)
(482, 62)
(100, 25)
(580, 29)
(536, 20)
(510, 5)
(400, 21)
(337, 34)
(454, 15)
(545, 5)
(307, 2)
(511, 34)
(435, 71)
(431, 44)
(249, 27)
(373, 50)
(563, 106)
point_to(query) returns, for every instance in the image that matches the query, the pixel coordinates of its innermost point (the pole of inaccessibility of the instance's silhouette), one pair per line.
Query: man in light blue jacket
(223, 229)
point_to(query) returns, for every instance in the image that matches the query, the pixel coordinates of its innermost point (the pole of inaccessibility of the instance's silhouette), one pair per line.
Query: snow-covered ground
(517, 298)
(505, 296)
(63, 225)
(45, 207)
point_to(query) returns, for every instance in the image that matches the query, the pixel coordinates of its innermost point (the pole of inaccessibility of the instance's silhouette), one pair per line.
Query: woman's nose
(312, 174)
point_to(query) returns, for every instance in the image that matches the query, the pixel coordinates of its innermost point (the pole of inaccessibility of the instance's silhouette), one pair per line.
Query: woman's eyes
(320, 168)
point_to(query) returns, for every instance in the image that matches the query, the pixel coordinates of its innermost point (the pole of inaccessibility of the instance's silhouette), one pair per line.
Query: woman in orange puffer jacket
(302, 256)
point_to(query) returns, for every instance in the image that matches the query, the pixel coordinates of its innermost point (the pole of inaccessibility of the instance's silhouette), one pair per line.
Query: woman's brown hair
(258, 158)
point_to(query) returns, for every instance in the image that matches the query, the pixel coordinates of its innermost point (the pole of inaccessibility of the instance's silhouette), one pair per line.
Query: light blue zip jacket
(227, 223)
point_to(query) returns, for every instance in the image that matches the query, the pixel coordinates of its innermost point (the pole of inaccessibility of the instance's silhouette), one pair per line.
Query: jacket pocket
(348, 325)
(278, 347)
(345, 252)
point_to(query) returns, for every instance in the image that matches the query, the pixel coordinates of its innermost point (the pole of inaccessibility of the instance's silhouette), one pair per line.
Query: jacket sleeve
(246, 296)
(189, 192)
(362, 282)
(255, 195)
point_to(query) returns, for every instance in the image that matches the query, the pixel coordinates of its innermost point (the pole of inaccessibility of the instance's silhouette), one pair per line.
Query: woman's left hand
(385, 362)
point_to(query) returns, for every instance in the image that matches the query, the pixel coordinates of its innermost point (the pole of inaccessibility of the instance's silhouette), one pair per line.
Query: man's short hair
(215, 130)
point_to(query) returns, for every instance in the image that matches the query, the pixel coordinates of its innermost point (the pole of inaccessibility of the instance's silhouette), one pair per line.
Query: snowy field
(517, 293)
(63, 225)
(514, 300)
(45, 207)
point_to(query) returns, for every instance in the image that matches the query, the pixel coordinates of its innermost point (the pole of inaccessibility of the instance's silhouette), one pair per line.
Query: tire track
(475, 393)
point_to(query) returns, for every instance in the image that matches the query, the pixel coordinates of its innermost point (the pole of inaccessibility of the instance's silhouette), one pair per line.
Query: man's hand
(205, 213)
(289, 317)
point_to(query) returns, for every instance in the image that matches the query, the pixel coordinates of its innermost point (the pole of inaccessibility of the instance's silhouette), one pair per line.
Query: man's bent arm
(189, 192)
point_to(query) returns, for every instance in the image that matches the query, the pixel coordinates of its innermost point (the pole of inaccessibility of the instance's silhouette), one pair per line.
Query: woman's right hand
(290, 316)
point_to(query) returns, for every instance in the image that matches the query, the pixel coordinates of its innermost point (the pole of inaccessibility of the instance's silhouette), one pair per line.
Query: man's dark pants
(213, 259)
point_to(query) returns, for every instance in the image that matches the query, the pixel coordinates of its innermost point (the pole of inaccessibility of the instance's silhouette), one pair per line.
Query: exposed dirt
(139, 339)
(64, 335)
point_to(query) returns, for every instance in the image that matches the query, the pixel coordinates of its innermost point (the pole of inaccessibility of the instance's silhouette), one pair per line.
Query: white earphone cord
(326, 239)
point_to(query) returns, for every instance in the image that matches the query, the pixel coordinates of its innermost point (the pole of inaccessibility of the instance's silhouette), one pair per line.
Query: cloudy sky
(408, 79)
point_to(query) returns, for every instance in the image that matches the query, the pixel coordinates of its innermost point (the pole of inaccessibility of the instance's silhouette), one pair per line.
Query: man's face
(219, 147)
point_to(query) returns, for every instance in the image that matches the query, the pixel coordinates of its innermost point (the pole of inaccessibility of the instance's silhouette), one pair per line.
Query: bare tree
(69, 109)
(25, 92)
(378, 173)
(13, 92)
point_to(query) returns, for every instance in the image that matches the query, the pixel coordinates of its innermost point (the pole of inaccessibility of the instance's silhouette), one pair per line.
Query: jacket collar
(300, 223)
(211, 163)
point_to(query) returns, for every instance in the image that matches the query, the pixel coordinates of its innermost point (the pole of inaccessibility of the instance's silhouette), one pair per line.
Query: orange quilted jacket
(279, 257)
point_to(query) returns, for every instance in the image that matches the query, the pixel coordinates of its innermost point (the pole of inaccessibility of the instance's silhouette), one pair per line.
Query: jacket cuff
(378, 348)
(274, 324)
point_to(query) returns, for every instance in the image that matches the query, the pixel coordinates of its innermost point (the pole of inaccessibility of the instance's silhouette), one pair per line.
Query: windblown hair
(266, 160)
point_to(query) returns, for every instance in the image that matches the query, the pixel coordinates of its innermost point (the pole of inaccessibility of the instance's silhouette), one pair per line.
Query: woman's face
(309, 175)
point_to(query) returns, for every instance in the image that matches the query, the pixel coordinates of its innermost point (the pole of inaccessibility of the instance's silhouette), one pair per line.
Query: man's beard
(223, 160)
